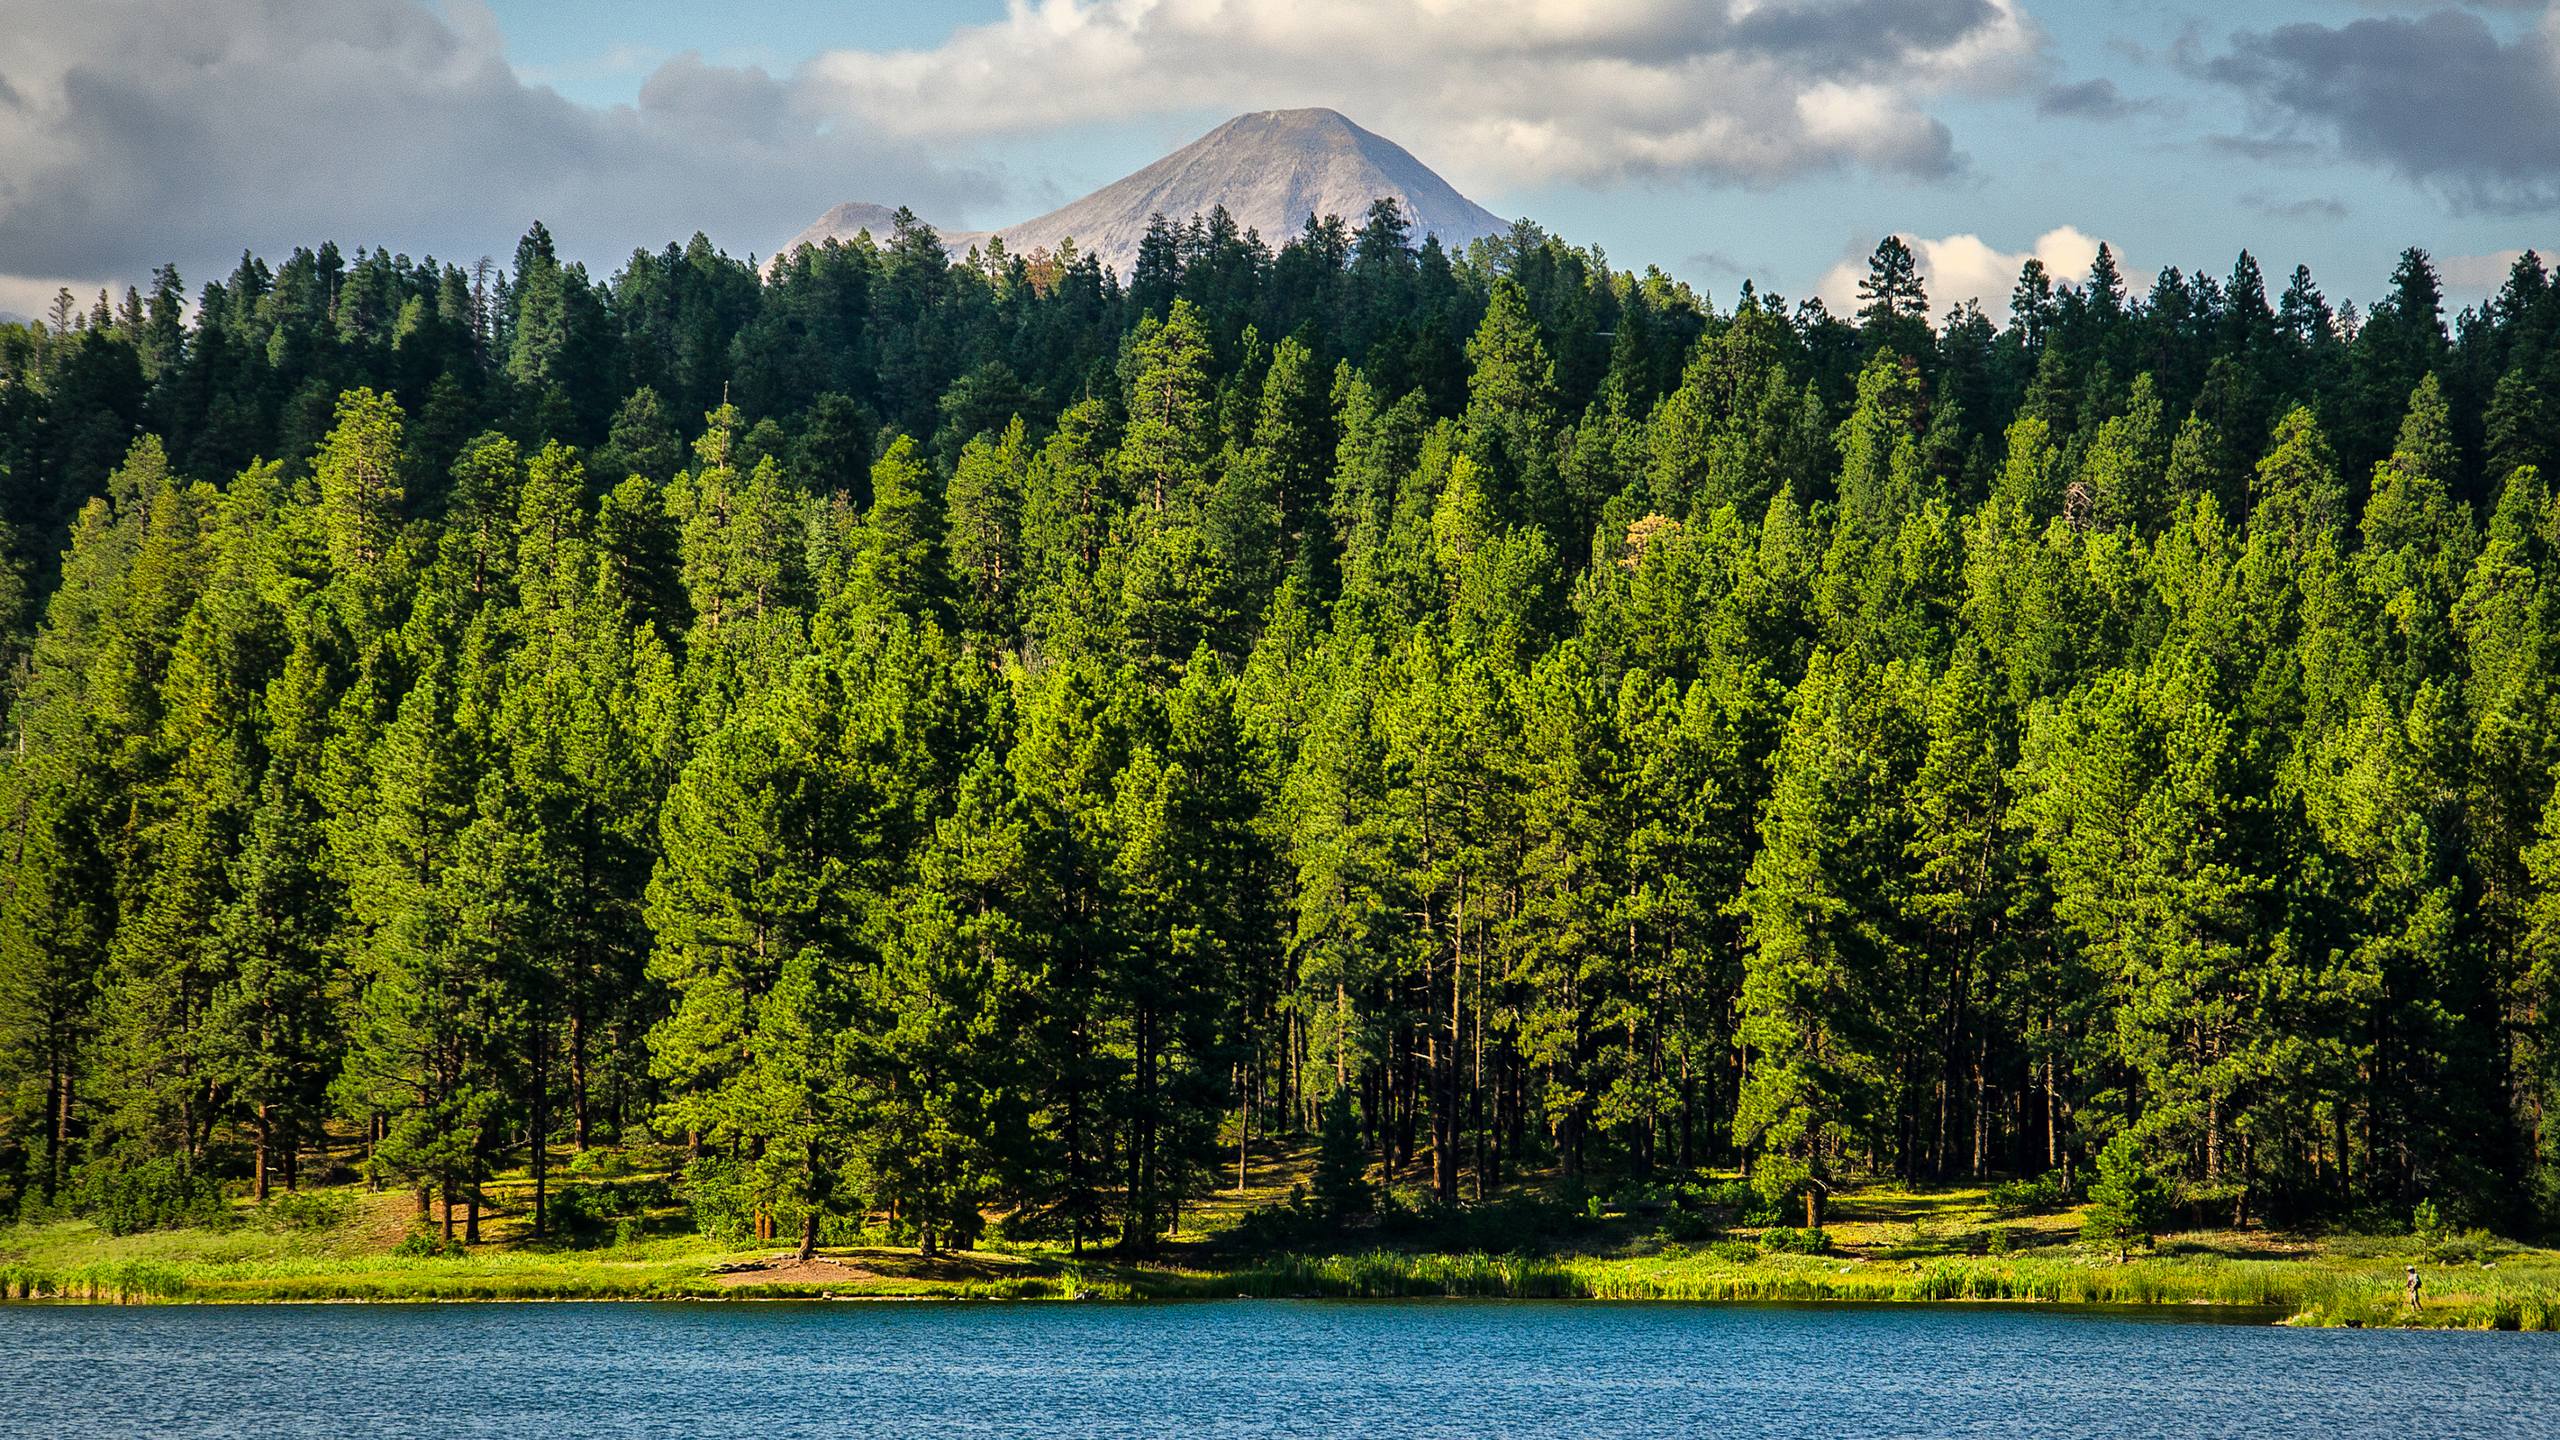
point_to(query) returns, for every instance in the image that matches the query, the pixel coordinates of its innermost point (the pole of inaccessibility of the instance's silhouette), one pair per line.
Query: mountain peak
(1314, 117)
(1271, 169)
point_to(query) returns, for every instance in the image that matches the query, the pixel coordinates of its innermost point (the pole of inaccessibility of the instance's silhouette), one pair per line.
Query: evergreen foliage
(954, 740)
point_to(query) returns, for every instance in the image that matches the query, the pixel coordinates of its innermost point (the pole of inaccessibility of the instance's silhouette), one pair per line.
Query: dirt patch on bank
(790, 1269)
(879, 1270)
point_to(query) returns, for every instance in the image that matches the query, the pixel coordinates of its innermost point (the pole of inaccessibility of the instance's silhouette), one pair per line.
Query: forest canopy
(979, 741)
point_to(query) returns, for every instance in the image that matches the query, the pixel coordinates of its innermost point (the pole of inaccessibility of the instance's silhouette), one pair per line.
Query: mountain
(1271, 169)
(845, 221)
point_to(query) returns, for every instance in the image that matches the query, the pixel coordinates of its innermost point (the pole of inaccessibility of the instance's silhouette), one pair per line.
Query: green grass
(2308, 1291)
(1889, 1244)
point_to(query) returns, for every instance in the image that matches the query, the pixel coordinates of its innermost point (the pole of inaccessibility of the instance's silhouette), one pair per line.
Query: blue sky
(2156, 177)
(1715, 138)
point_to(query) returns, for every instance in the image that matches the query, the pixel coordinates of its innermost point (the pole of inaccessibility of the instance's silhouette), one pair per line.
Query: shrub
(1342, 1167)
(1641, 1198)
(2371, 1220)
(2427, 1223)
(1736, 1196)
(579, 1212)
(425, 1243)
(161, 1194)
(1511, 1224)
(1297, 1223)
(2469, 1247)
(2129, 1200)
(2040, 1196)
(722, 1208)
(1735, 1252)
(1788, 1240)
(722, 1197)
(306, 1210)
(1690, 1225)
(603, 1163)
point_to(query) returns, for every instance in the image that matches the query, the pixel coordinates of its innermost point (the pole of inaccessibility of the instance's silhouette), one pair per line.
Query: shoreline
(1885, 1246)
(2316, 1291)
(2198, 1311)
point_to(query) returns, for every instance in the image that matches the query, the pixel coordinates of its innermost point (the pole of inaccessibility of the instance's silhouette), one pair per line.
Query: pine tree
(274, 1022)
(938, 1086)
(2127, 1202)
(1294, 429)
(984, 537)
(1164, 455)
(1818, 1001)
(1893, 306)
(361, 470)
(1342, 1167)
(1510, 422)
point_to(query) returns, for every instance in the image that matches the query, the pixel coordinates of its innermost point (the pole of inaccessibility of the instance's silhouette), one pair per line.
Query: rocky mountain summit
(1271, 169)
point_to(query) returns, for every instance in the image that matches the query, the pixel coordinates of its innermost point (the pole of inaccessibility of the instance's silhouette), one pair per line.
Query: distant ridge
(1271, 169)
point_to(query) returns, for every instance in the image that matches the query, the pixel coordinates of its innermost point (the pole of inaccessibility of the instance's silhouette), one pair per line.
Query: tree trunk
(1244, 1122)
(809, 1235)
(1074, 1137)
(578, 1076)
(62, 1126)
(1444, 1088)
(258, 1157)
(541, 1136)
(1137, 1225)
(2052, 1128)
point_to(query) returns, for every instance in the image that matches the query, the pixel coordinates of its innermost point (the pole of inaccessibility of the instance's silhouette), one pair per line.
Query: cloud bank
(2442, 99)
(1957, 268)
(1494, 92)
(132, 133)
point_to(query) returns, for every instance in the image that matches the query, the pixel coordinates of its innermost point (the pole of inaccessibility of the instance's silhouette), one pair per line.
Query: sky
(1717, 139)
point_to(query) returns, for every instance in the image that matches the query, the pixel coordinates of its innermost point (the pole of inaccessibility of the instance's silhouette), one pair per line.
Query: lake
(1310, 1368)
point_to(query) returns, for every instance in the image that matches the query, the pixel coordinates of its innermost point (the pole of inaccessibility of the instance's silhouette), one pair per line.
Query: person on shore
(2414, 1287)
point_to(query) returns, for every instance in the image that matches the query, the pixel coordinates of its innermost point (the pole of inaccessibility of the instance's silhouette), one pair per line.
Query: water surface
(1423, 1368)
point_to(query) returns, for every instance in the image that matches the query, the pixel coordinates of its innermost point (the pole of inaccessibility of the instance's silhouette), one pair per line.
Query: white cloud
(1498, 92)
(150, 130)
(29, 296)
(1957, 268)
(2477, 277)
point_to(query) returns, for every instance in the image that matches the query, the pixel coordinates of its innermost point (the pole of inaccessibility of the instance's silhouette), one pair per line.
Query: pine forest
(973, 746)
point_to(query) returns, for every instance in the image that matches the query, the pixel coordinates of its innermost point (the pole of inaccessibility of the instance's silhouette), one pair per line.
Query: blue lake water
(1309, 1368)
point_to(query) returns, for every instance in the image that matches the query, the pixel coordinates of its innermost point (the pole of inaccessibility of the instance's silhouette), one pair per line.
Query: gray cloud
(2439, 98)
(1719, 262)
(1856, 31)
(2263, 147)
(2314, 207)
(2097, 99)
(186, 129)
(1756, 92)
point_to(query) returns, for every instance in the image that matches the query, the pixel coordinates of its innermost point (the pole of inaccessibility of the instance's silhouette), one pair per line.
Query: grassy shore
(1887, 1244)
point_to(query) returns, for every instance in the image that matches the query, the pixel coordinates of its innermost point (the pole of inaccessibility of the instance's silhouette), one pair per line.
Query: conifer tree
(361, 471)
(1818, 1001)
